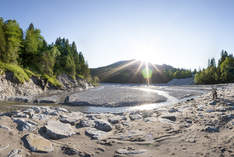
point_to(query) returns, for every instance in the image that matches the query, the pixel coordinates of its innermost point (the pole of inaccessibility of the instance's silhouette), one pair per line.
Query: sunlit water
(156, 89)
(94, 109)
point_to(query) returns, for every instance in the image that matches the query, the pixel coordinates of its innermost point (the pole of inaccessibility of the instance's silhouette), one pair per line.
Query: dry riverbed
(197, 127)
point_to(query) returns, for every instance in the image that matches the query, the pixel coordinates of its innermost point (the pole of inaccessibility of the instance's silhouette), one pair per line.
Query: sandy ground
(197, 127)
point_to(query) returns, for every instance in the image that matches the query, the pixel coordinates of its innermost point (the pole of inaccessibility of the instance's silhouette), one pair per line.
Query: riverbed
(117, 98)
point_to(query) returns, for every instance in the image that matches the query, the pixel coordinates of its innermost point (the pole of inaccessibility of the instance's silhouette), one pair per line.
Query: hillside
(134, 71)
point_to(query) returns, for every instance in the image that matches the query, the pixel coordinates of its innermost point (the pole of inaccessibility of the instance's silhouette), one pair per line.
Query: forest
(223, 72)
(26, 54)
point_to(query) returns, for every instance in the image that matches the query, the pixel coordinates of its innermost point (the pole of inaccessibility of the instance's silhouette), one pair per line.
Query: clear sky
(182, 33)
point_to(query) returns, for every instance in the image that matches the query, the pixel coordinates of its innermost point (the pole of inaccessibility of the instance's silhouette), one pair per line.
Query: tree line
(29, 50)
(223, 72)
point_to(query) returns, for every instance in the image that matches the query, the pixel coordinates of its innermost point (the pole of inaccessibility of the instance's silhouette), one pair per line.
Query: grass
(30, 73)
(23, 75)
(52, 80)
(18, 72)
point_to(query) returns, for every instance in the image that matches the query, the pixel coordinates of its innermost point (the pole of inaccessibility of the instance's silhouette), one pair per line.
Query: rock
(60, 109)
(85, 123)
(69, 151)
(25, 125)
(20, 115)
(210, 129)
(20, 99)
(36, 109)
(103, 125)
(150, 119)
(210, 110)
(49, 111)
(47, 100)
(115, 119)
(169, 117)
(130, 151)
(171, 110)
(135, 116)
(221, 109)
(212, 102)
(56, 130)
(38, 144)
(95, 134)
(71, 118)
(15, 153)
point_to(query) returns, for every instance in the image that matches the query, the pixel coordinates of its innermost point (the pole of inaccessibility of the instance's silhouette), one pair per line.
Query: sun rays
(144, 68)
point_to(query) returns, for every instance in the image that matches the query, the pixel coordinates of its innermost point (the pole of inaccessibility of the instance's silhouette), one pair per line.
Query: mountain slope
(134, 71)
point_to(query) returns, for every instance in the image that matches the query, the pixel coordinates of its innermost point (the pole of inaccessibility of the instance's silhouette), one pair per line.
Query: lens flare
(147, 73)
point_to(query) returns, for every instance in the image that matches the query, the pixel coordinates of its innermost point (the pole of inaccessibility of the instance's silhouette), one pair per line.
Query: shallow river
(117, 98)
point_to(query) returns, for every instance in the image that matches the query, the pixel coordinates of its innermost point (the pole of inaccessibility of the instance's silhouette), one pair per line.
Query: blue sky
(182, 33)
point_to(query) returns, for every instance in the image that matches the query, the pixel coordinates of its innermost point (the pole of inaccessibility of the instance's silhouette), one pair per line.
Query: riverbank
(197, 127)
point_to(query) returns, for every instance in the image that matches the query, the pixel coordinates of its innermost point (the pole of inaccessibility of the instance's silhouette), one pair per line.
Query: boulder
(130, 151)
(95, 134)
(25, 125)
(38, 144)
(103, 125)
(57, 130)
(210, 129)
(135, 116)
(71, 118)
(85, 123)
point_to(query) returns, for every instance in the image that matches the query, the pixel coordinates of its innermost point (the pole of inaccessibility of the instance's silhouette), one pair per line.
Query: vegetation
(28, 54)
(221, 73)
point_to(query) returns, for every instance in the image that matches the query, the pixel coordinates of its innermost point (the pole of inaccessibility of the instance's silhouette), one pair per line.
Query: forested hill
(26, 54)
(133, 71)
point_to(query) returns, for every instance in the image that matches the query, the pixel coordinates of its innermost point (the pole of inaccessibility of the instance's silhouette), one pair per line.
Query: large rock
(25, 125)
(135, 116)
(47, 100)
(38, 144)
(85, 123)
(130, 151)
(71, 118)
(103, 125)
(57, 130)
(95, 134)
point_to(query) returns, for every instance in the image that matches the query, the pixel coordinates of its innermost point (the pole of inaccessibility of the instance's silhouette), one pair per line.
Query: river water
(128, 97)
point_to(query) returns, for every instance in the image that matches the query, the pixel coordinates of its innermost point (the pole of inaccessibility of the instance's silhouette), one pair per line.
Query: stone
(130, 151)
(25, 125)
(15, 153)
(169, 117)
(38, 144)
(20, 99)
(171, 110)
(47, 100)
(95, 134)
(56, 130)
(69, 151)
(115, 119)
(103, 125)
(212, 102)
(20, 115)
(135, 116)
(85, 123)
(210, 129)
(71, 118)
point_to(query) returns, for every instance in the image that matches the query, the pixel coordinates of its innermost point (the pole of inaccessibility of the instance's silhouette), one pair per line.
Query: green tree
(13, 36)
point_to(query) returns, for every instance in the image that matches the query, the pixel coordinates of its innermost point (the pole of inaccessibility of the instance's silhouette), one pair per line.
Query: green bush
(18, 72)
(52, 80)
